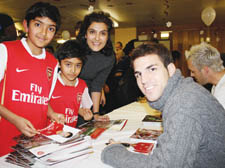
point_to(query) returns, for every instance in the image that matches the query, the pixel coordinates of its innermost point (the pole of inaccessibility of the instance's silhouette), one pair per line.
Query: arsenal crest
(49, 73)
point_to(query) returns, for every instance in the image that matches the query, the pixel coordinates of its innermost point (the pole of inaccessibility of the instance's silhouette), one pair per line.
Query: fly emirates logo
(32, 97)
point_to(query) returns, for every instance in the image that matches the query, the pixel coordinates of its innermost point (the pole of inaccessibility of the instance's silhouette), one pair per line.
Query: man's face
(196, 74)
(118, 47)
(151, 75)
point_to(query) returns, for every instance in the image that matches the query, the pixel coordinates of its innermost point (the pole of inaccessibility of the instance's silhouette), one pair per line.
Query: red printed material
(97, 132)
(52, 129)
(143, 147)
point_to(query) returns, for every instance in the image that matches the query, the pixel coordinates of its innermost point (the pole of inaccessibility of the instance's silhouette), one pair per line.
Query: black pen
(124, 144)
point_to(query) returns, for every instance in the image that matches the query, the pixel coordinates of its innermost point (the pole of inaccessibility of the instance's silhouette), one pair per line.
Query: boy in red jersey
(70, 96)
(26, 73)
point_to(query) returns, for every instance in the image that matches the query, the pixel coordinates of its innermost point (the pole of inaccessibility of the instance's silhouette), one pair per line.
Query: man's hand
(86, 113)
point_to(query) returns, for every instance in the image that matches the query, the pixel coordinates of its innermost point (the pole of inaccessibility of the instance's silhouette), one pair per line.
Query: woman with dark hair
(94, 37)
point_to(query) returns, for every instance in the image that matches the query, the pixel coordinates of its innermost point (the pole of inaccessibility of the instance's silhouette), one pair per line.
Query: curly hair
(99, 17)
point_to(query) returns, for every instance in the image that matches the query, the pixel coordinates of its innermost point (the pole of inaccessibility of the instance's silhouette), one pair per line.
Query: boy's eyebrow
(44, 22)
(67, 61)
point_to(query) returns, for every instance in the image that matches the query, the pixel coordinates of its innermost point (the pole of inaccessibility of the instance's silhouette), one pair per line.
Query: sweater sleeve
(172, 151)
(118, 156)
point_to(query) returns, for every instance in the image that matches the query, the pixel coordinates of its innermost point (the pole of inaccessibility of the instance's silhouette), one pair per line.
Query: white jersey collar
(41, 56)
(61, 81)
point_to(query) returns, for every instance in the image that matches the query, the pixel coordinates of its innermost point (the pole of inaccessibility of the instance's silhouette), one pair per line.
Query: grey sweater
(194, 131)
(96, 70)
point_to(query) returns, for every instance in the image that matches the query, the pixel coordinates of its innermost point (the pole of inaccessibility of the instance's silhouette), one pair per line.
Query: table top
(134, 112)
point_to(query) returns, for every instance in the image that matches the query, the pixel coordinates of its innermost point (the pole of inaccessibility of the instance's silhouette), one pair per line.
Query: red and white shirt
(28, 80)
(68, 99)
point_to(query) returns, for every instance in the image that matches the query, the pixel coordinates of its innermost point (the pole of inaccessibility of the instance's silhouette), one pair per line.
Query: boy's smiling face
(70, 69)
(41, 31)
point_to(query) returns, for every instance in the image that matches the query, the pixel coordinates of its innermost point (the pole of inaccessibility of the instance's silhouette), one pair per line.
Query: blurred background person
(7, 28)
(119, 51)
(77, 28)
(121, 83)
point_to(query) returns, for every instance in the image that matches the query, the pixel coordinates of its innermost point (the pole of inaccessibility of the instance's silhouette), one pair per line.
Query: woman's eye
(91, 32)
(104, 33)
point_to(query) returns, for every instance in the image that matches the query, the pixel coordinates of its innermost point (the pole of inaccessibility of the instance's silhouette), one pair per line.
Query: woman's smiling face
(97, 36)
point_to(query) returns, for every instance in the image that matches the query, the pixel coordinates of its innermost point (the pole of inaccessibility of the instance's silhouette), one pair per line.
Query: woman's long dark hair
(99, 17)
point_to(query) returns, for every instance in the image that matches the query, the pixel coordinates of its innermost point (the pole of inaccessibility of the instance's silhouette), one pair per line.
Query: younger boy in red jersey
(26, 73)
(70, 96)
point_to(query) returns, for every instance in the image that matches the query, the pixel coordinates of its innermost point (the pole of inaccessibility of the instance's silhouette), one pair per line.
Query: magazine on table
(145, 135)
(150, 120)
(118, 124)
(49, 148)
(95, 128)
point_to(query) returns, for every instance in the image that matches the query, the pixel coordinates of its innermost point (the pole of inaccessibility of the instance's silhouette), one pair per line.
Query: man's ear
(25, 26)
(171, 69)
(205, 70)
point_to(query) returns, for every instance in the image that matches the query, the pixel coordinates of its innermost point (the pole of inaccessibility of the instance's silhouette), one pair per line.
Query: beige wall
(125, 35)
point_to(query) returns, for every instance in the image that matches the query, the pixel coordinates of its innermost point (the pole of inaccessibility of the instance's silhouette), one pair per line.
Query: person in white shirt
(206, 67)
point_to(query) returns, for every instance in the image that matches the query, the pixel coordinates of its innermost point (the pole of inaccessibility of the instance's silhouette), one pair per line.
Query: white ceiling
(129, 13)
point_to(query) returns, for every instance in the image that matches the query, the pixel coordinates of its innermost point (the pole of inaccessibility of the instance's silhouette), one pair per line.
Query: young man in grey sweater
(193, 120)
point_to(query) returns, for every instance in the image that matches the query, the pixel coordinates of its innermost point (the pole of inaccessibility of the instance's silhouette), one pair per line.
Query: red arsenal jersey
(28, 82)
(67, 99)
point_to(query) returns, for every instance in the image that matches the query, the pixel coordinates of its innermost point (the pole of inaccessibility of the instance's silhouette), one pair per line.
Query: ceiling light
(165, 34)
(90, 8)
(168, 24)
(61, 41)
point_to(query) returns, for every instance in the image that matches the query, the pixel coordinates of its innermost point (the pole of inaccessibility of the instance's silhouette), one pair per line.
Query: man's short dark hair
(42, 9)
(152, 48)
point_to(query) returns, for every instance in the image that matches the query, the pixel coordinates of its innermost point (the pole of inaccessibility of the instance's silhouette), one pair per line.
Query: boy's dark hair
(152, 48)
(42, 9)
(99, 17)
(70, 49)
